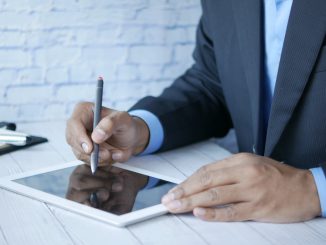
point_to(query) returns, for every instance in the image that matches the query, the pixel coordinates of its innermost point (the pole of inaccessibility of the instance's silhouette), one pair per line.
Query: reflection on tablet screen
(113, 190)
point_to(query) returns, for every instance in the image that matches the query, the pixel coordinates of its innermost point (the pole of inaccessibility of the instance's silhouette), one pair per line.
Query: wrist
(142, 135)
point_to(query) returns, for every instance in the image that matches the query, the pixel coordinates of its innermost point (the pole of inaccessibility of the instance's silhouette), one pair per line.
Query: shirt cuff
(156, 133)
(320, 181)
(156, 136)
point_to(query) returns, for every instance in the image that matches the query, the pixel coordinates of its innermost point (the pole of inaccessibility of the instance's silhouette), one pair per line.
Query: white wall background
(51, 52)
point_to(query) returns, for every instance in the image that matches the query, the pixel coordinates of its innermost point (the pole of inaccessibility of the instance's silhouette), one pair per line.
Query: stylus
(97, 116)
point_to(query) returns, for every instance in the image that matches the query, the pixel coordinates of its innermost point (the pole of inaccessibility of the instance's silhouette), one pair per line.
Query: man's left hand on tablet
(247, 187)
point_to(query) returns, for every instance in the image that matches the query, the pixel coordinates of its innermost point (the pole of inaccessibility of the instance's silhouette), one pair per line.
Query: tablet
(117, 195)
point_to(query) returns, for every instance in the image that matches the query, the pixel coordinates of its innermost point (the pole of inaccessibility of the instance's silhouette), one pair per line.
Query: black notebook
(33, 140)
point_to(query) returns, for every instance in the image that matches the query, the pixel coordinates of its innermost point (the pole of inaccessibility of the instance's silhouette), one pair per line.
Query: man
(260, 68)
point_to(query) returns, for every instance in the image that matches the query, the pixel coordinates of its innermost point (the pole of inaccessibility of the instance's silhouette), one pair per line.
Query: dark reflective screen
(113, 189)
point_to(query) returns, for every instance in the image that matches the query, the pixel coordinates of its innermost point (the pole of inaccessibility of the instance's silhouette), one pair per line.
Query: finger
(87, 203)
(105, 158)
(203, 173)
(83, 112)
(233, 161)
(105, 154)
(234, 212)
(81, 156)
(80, 123)
(117, 186)
(77, 196)
(108, 157)
(103, 173)
(116, 170)
(103, 195)
(104, 129)
(109, 124)
(230, 161)
(211, 197)
(121, 155)
(77, 136)
(120, 208)
(203, 180)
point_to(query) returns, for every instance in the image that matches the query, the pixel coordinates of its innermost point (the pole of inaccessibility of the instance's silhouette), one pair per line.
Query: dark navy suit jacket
(222, 90)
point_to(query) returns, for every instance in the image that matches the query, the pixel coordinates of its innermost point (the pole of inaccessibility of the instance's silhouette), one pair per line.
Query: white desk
(27, 221)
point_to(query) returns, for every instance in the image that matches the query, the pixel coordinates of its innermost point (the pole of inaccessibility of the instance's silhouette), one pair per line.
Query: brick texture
(51, 52)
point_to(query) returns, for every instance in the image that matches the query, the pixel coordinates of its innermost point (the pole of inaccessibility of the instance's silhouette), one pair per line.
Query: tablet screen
(112, 189)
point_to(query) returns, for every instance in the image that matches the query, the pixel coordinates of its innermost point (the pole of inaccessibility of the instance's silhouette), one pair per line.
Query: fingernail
(116, 156)
(85, 147)
(199, 211)
(99, 134)
(173, 205)
(168, 198)
(116, 187)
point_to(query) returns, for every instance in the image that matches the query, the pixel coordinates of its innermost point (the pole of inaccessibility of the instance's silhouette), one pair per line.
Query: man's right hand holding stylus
(119, 135)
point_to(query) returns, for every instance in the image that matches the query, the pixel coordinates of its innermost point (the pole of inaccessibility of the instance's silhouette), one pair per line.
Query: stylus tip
(93, 169)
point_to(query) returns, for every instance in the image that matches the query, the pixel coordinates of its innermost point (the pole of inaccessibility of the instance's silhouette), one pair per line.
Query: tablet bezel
(8, 183)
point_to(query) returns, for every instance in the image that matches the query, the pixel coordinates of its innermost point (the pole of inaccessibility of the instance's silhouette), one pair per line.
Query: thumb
(103, 130)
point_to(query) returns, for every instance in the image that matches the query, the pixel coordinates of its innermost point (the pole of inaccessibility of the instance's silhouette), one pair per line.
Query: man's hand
(118, 134)
(247, 187)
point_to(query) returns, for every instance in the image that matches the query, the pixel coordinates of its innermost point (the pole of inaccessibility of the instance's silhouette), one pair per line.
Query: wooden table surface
(27, 221)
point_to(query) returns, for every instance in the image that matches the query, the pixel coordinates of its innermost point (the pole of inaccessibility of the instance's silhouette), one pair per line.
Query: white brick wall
(51, 52)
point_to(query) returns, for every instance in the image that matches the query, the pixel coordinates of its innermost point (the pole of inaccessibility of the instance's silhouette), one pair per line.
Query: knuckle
(213, 195)
(205, 178)
(244, 156)
(114, 114)
(230, 213)
(105, 123)
(187, 203)
(125, 156)
(81, 156)
(105, 160)
(212, 215)
(78, 155)
(254, 170)
(80, 182)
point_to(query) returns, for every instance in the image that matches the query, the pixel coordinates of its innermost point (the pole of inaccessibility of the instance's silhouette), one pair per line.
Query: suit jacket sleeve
(193, 107)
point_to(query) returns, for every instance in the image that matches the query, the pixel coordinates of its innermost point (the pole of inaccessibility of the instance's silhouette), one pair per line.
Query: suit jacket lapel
(248, 20)
(304, 37)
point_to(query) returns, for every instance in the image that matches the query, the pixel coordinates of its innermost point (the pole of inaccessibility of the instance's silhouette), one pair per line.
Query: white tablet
(116, 196)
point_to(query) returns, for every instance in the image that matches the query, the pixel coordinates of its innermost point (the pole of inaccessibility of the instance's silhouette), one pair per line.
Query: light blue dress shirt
(277, 14)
